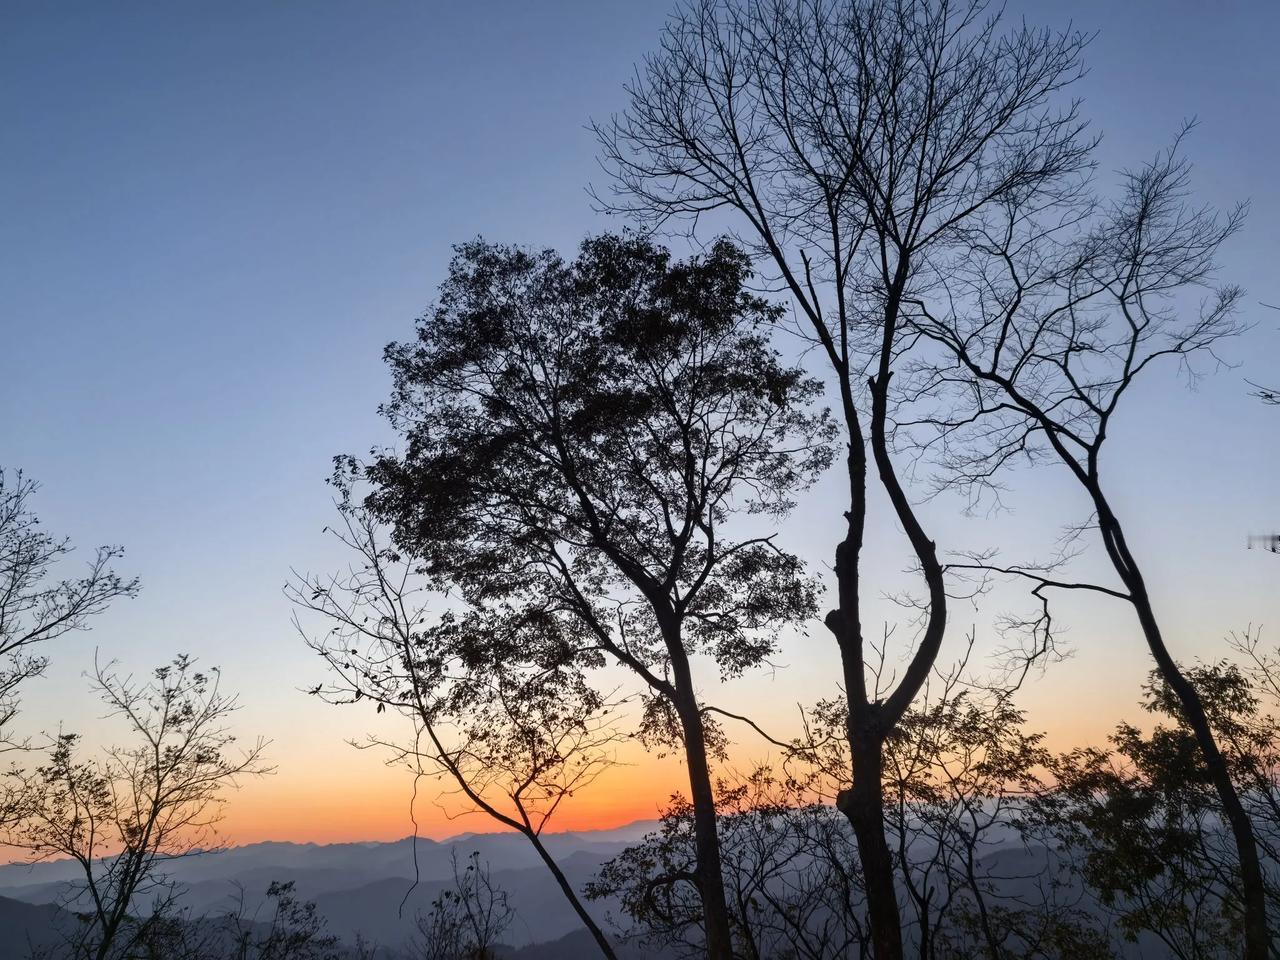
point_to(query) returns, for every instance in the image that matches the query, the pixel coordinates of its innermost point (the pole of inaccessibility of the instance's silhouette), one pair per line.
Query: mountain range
(371, 890)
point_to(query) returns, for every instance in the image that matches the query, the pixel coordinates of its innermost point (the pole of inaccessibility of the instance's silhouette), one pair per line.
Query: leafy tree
(292, 929)
(1142, 821)
(587, 447)
(121, 816)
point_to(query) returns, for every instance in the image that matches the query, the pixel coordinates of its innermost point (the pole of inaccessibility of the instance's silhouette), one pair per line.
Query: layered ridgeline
(371, 896)
(373, 892)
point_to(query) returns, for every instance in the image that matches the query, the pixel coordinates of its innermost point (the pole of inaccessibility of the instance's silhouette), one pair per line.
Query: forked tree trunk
(863, 803)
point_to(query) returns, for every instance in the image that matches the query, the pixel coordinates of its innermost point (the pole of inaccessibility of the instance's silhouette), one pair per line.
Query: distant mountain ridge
(372, 889)
(379, 855)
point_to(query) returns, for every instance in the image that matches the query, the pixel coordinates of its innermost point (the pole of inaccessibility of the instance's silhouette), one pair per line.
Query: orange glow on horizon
(347, 809)
(344, 799)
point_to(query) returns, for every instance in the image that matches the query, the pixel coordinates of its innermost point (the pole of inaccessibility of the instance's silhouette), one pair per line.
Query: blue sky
(214, 215)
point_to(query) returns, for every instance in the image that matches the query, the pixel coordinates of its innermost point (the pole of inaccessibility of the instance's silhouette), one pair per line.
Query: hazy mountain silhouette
(371, 889)
(28, 927)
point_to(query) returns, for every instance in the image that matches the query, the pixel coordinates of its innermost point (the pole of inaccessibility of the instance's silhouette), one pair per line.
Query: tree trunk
(710, 872)
(863, 805)
(1257, 939)
(571, 895)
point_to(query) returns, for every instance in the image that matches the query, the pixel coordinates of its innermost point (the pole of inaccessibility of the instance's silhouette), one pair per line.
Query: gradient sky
(214, 215)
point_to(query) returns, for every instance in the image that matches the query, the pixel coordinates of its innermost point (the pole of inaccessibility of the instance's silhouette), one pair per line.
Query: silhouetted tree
(1143, 821)
(1043, 337)
(293, 930)
(122, 815)
(467, 920)
(960, 770)
(791, 889)
(980, 872)
(960, 773)
(282, 927)
(855, 145)
(498, 707)
(586, 446)
(36, 606)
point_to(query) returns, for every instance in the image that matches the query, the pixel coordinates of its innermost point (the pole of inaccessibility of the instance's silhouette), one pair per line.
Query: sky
(213, 216)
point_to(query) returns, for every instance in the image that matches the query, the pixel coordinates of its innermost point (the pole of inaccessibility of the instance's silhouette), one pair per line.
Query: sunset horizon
(838, 435)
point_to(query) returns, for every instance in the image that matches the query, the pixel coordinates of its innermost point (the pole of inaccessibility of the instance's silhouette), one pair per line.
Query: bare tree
(282, 927)
(513, 735)
(1269, 395)
(1042, 339)
(293, 930)
(467, 920)
(593, 447)
(853, 144)
(35, 606)
(121, 816)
